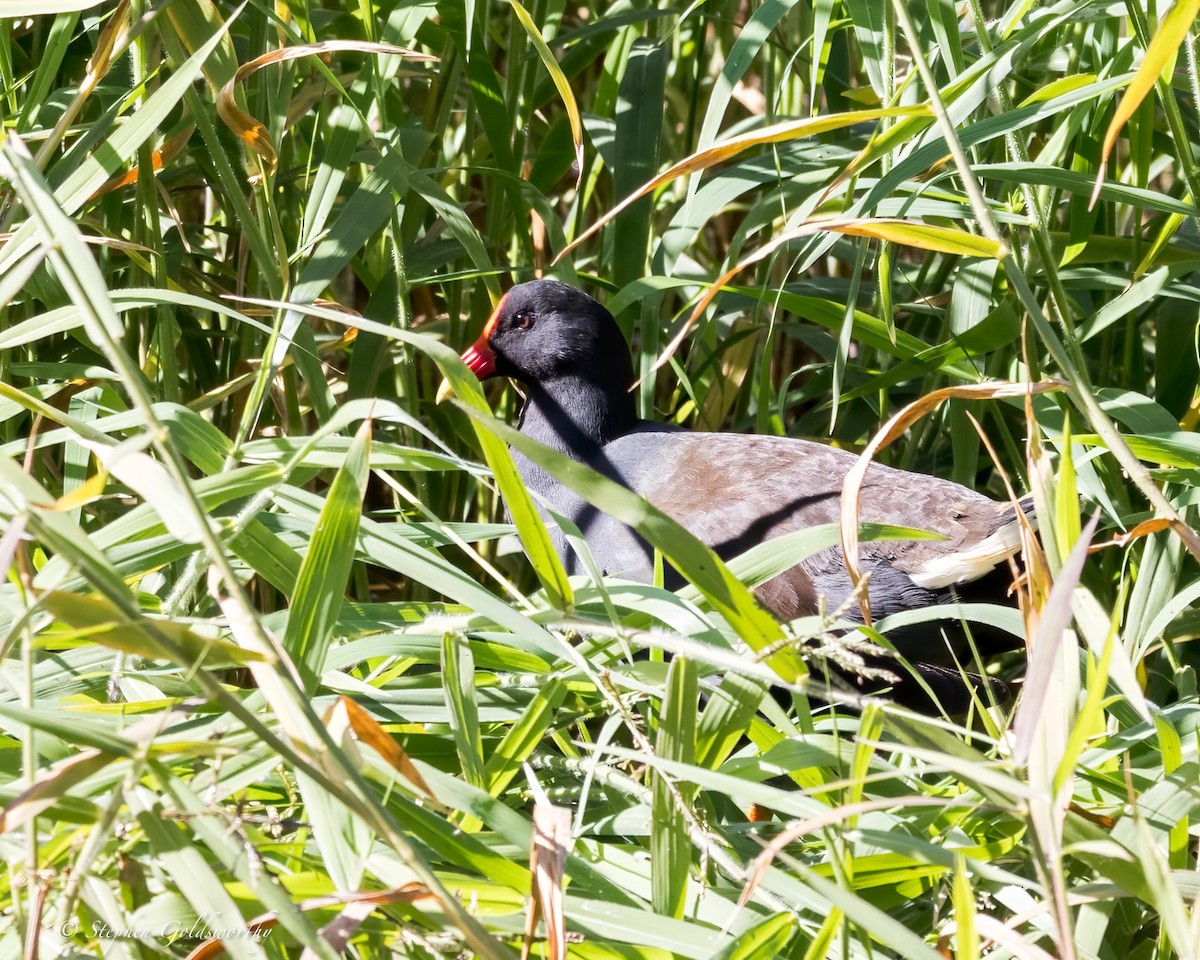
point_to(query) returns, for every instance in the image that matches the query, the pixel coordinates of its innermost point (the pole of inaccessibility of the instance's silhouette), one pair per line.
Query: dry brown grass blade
(113, 37)
(1033, 556)
(728, 149)
(34, 922)
(795, 831)
(759, 813)
(158, 159)
(1099, 819)
(1143, 529)
(547, 861)
(408, 893)
(367, 729)
(906, 417)
(253, 133)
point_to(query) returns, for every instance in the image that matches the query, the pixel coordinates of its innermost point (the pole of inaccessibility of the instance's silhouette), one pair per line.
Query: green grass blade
(670, 841)
(321, 582)
(458, 674)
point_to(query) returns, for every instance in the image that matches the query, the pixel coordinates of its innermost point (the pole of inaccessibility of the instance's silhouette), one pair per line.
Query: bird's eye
(523, 320)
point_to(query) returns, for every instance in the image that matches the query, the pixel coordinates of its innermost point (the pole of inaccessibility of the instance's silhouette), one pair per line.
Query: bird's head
(545, 330)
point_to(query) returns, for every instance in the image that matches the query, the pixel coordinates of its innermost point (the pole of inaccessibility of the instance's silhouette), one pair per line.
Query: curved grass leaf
(250, 131)
(726, 150)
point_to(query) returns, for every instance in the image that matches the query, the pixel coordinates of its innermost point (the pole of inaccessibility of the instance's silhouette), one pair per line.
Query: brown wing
(735, 491)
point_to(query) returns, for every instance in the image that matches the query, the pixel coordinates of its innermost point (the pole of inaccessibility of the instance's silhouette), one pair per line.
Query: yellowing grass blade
(560, 82)
(250, 131)
(95, 619)
(728, 149)
(158, 159)
(923, 236)
(1160, 56)
(909, 233)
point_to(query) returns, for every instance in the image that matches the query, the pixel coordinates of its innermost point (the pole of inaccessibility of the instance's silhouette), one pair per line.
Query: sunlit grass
(267, 635)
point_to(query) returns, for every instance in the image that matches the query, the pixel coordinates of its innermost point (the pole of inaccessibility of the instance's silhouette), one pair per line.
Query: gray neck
(576, 416)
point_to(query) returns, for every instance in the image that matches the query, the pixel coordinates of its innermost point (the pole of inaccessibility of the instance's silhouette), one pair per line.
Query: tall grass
(267, 637)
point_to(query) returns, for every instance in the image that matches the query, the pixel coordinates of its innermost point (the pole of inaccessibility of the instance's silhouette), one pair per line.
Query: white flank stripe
(972, 563)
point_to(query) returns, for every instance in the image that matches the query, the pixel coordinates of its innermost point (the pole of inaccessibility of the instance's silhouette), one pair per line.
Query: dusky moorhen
(734, 490)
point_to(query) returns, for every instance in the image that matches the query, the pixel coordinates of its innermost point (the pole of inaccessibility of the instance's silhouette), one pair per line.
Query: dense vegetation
(267, 636)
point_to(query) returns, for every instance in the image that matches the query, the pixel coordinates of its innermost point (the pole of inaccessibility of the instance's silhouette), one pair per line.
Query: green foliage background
(229, 290)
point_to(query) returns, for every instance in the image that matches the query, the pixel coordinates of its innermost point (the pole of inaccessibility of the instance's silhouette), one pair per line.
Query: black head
(545, 330)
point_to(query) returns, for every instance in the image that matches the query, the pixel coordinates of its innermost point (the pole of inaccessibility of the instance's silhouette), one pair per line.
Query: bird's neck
(576, 416)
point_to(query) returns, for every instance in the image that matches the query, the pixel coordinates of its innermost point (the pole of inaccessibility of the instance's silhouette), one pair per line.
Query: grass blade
(321, 583)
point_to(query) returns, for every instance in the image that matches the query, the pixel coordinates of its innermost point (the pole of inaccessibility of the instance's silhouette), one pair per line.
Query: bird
(734, 490)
